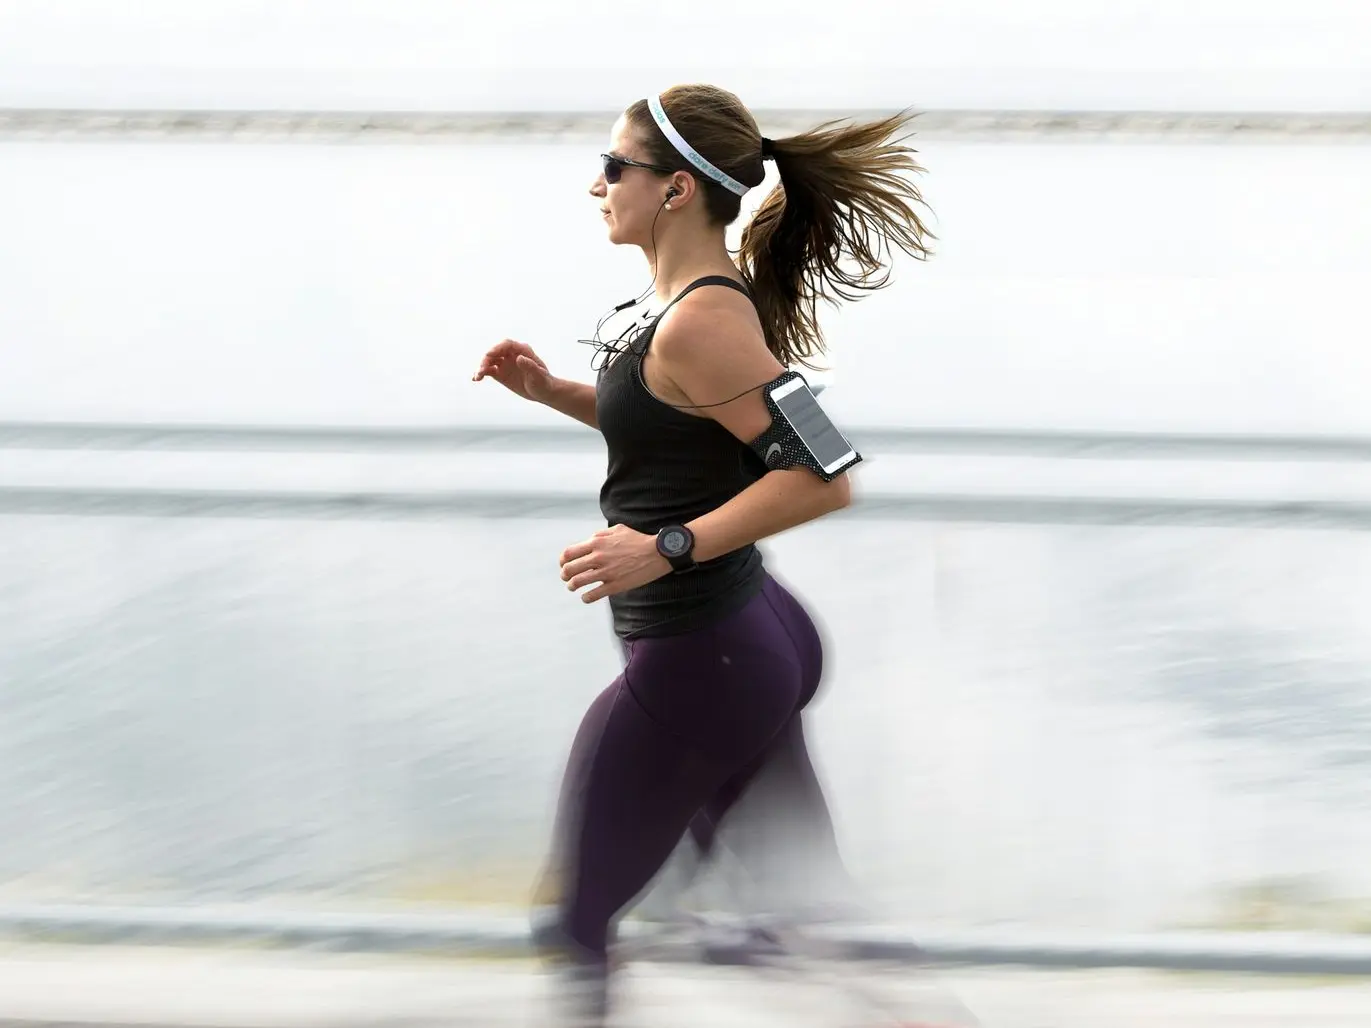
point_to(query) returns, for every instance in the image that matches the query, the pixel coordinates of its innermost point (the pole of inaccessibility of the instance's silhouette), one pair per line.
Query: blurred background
(280, 620)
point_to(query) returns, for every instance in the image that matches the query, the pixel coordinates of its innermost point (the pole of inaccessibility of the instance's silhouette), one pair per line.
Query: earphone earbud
(673, 191)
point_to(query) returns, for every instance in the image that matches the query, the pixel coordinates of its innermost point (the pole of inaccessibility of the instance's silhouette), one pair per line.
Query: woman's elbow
(838, 492)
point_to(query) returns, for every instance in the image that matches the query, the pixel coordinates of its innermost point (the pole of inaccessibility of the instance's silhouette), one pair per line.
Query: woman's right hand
(516, 367)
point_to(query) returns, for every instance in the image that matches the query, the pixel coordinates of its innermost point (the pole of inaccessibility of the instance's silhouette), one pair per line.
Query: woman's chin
(616, 233)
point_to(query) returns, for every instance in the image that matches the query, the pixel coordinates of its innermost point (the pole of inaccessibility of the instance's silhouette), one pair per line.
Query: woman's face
(630, 205)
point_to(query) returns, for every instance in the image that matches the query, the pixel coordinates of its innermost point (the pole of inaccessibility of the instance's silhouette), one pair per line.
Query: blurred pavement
(74, 985)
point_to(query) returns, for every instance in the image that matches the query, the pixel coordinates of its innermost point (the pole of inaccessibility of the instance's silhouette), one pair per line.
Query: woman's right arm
(516, 367)
(574, 399)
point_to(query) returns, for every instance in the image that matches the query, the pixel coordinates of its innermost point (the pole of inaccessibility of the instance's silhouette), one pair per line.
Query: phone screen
(811, 424)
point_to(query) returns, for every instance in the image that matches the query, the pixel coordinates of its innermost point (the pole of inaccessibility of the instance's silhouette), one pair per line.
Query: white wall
(1203, 287)
(531, 54)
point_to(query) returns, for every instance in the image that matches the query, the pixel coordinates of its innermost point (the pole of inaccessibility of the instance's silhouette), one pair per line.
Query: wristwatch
(676, 543)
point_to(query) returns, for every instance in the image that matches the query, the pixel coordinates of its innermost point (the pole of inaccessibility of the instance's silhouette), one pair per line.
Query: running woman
(720, 658)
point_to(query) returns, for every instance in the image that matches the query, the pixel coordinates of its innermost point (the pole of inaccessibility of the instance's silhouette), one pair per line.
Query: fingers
(583, 572)
(581, 566)
(510, 349)
(503, 357)
(574, 552)
(590, 576)
(490, 365)
(599, 561)
(500, 369)
(491, 361)
(572, 568)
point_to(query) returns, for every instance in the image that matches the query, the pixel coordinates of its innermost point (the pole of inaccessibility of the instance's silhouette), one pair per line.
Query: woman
(721, 659)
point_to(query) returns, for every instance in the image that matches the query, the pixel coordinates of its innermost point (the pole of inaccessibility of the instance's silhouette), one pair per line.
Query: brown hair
(821, 232)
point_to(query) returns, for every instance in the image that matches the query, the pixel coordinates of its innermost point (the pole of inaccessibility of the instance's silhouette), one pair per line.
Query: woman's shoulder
(715, 355)
(713, 321)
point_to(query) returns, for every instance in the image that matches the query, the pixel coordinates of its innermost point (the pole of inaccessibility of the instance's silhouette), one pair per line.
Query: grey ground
(73, 985)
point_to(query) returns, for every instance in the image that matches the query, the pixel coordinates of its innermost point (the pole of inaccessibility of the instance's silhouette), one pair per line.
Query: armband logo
(773, 450)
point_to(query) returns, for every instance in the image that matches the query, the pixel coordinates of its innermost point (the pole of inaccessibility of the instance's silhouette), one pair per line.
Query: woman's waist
(649, 507)
(652, 514)
(681, 599)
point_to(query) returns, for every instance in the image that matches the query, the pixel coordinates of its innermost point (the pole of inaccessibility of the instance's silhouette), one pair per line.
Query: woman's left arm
(710, 354)
(778, 501)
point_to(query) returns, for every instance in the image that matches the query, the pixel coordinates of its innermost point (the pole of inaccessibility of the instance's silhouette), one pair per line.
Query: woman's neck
(678, 266)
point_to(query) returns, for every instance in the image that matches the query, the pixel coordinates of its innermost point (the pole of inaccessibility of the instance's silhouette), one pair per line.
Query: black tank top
(669, 467)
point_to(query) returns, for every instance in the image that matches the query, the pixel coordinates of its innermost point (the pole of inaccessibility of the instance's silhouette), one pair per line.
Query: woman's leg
(641, 786)
(773, 812)
(551, 882)
(775, 823)
(687, 715)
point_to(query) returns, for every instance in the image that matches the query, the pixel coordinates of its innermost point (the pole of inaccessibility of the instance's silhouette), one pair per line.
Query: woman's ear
(680, 189)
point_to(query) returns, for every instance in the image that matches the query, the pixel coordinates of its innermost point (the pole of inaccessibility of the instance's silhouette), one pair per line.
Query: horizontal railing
(418, 125)
(386, 505)
(61, 435)
(918, 474)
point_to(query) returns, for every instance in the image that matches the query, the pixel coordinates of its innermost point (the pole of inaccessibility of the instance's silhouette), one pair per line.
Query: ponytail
(822, 232)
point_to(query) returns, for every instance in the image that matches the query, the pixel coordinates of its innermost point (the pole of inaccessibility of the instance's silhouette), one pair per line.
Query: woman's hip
(736, 680)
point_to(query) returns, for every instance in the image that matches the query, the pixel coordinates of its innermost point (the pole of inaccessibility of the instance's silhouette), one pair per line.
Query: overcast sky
(578, 54)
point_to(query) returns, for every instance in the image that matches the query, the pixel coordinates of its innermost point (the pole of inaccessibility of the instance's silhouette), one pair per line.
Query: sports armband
(801, 434)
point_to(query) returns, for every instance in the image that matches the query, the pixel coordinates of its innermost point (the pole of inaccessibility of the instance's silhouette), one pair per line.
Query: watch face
(674, 542)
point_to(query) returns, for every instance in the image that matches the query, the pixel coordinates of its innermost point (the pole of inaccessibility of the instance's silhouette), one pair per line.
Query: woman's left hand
(617, 558)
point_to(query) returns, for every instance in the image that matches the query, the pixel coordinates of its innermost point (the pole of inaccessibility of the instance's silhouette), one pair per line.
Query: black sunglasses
(614, 167)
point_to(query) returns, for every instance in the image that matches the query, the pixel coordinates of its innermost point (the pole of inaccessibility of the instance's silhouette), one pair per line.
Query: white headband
(654, 104)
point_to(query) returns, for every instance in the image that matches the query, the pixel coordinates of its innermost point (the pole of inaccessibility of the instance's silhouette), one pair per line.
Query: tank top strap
(706, 280)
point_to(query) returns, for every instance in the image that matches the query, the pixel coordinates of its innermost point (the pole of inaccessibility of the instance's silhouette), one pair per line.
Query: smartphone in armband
(828, 448)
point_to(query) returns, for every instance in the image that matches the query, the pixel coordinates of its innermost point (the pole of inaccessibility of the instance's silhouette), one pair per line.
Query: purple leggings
(671, 745)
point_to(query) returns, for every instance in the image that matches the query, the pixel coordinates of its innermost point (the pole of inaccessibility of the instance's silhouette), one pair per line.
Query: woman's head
(634, 188)
(843, 199)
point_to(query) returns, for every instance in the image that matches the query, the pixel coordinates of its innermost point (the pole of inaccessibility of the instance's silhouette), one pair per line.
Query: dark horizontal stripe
(96, 436)
(206, 503)
(511, 504)
(572, 438)
(454, 931)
